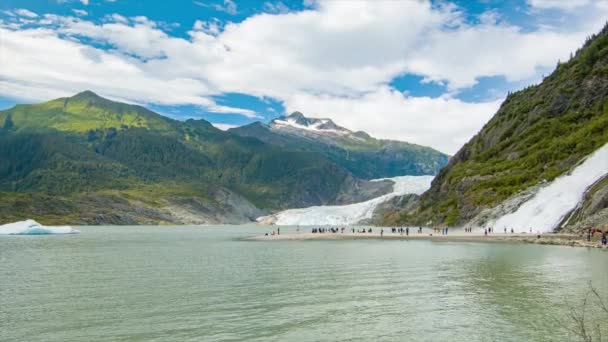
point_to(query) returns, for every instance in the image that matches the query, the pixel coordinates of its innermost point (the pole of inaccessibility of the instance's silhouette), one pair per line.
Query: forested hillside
(90, 147)
(538, 134)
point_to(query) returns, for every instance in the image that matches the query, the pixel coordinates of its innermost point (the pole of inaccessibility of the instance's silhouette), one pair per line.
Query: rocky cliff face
(592, 211)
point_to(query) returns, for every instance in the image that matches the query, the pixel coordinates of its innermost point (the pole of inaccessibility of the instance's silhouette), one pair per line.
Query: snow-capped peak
(297, 120)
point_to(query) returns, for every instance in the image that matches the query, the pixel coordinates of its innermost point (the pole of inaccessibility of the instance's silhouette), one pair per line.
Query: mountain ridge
(361, 154)
(88, 147)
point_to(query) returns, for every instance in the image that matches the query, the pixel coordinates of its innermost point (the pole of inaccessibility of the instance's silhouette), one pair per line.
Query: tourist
(278, 231)
(589, 234)
(381, 232)
(407, 231)
(485, 232)
(604, 240)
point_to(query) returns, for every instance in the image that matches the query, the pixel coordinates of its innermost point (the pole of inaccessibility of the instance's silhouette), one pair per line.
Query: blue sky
(429, 72)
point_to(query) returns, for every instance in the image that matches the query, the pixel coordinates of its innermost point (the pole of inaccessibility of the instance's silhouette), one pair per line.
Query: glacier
(352, 213)
(31, 227)
(550, 205)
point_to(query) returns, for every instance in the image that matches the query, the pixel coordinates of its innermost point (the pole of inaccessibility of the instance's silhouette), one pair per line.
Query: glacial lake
(207, 284)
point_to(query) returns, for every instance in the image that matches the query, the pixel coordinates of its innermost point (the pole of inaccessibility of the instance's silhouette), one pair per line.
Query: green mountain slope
(86, 149)
(357, 152)
(538, 134)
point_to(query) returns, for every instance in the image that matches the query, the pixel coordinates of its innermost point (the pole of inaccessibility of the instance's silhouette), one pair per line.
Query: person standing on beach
(485, 232)
(407, 231)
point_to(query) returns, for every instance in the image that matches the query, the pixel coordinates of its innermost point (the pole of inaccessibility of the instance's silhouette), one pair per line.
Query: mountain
(538, 134)
(86, 159)
(362, 155)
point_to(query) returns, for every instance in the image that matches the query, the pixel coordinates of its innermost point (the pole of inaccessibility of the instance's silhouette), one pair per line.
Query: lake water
(207, 284)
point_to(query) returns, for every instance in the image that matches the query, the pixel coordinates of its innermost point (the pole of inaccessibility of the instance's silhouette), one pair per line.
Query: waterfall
(545, 210)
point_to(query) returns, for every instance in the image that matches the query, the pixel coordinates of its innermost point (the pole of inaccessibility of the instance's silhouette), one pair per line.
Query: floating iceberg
(352, 213)
(31, 227)
(551, 204)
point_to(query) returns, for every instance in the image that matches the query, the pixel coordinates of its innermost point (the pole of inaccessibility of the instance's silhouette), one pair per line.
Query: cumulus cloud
(275, 7)
(443, 123)
(318, 60)
(561, 4)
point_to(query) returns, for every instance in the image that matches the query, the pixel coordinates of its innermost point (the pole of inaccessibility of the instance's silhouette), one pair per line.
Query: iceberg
(31, 227)
(550, 205)
(352, 213)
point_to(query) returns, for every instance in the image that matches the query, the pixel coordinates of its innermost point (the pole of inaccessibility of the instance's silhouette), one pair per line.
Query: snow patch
(315, 127)
(550, 205)
(352, 213)
(31, 227)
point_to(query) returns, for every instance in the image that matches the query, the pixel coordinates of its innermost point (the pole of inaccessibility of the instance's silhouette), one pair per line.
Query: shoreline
(557, 239)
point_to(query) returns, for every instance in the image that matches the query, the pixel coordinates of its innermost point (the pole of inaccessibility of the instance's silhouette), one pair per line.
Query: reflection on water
(195, 283)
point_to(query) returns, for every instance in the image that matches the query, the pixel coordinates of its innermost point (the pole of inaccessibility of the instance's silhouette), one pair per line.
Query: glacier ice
(352, 213)
(550, 205)
(31, 227)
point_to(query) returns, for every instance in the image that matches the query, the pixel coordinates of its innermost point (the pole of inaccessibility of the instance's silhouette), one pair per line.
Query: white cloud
(320, 61)
(84, 2)
(80, 12)
(223, 127)
(442, 123)
(212, 27)
(275, 7)
(227, 6)
(232, 110)
(499, 51)
(560, 4)
(21, 12)
(118, 18)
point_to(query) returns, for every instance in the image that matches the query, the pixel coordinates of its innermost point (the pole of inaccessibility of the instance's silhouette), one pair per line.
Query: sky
(426, 72)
